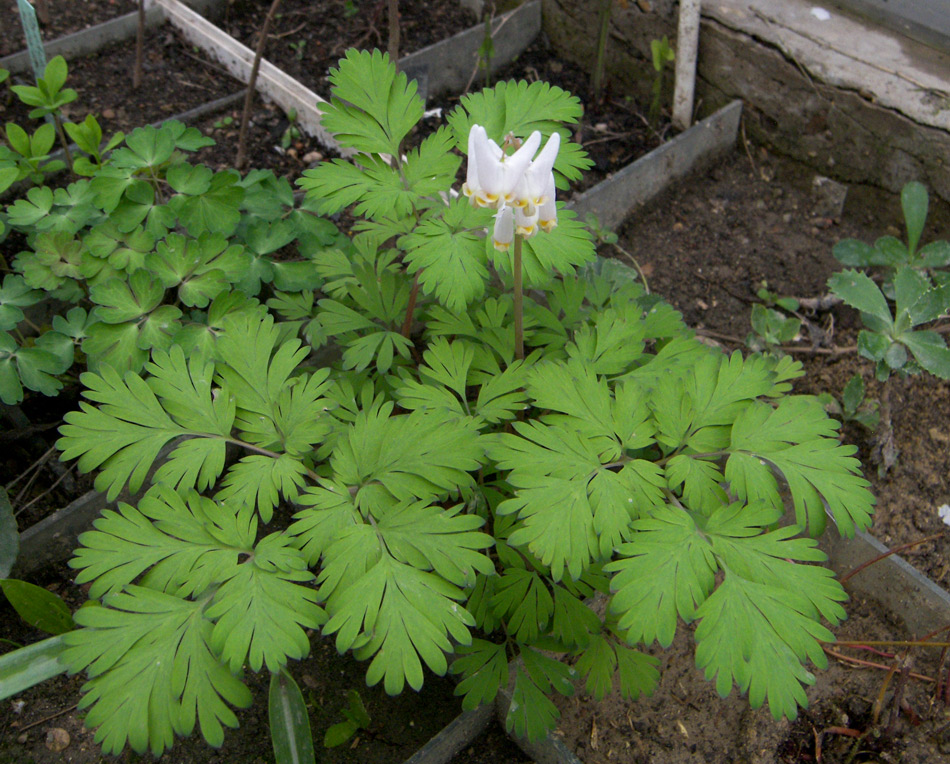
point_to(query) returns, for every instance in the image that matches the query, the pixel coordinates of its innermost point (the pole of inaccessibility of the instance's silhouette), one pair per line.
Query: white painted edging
(238, 59)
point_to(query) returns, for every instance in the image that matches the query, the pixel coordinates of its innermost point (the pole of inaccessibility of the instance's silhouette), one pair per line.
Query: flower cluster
(519, 187)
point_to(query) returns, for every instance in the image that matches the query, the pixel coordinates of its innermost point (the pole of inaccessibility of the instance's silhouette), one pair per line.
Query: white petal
(516, 164)
(504, 232)
(545, 161)
(526, 221)
(533, 186)
(471, 178)
(547, 215)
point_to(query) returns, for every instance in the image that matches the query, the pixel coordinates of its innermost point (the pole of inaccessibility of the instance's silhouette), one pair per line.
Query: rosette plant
(448, 503)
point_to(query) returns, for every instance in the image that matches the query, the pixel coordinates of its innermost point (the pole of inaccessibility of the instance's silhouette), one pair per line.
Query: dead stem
(880, 557)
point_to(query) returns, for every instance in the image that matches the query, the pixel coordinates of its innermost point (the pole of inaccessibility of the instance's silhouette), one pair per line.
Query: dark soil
(65, 17)
(685, 720)
(307, 37)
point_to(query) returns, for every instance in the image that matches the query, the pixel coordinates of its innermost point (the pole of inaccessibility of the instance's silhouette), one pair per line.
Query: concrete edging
(614, 199)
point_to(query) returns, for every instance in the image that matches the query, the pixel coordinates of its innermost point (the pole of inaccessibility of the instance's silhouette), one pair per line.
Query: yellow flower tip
(547, 225)
(526, 230)
(501, 246)
(466, 190)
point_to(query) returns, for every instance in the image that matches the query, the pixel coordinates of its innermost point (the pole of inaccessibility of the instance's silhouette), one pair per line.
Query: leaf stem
(410, 307)
(263, 451)
(58, 124)
(518, 300)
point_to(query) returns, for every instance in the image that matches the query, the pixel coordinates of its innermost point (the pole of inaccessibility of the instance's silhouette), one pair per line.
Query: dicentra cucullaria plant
(454, 503)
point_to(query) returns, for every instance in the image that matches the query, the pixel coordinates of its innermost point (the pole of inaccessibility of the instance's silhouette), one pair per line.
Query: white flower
(944, 512)
(493, 175)
(519, 187)
(504, 229)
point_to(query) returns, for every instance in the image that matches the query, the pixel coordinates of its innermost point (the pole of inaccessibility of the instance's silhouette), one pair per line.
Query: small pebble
(312, 156)
(108, 113)
(57, 739)
(22, 737)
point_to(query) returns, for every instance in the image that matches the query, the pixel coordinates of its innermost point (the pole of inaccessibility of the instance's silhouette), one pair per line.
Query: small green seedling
(771, 327)
(298, 49)
(662, 55)
(853, 406)
(292, 133)
(355, 718)
(49, 97)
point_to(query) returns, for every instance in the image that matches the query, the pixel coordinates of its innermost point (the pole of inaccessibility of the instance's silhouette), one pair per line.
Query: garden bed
(65, 17)
(752, 219)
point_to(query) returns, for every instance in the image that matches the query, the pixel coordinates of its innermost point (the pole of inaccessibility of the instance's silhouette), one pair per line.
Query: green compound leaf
(418, 456)
(15, 294)
(604, 658)
(119, 301)
(262, 610)
(399, 615)
(484, 668)
(574, 623)
(531, 714)
(372, 108)
(598, 663)
(798, 439)
(113, 345)
(522, 598)
(216, 210)
(514, 107)
(259, 482)
(152, 672)
(55, 260)
(183, 541)
(572, 507)
(756, 635)
(666, 571)
(274, 410)
(199, 268)
(373, 185)
(125, 434)
(447, 376)
(32, 367)
(432, 538)
(449, 255)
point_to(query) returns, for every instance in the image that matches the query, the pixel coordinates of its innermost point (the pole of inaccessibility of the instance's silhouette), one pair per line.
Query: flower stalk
(518, 299)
